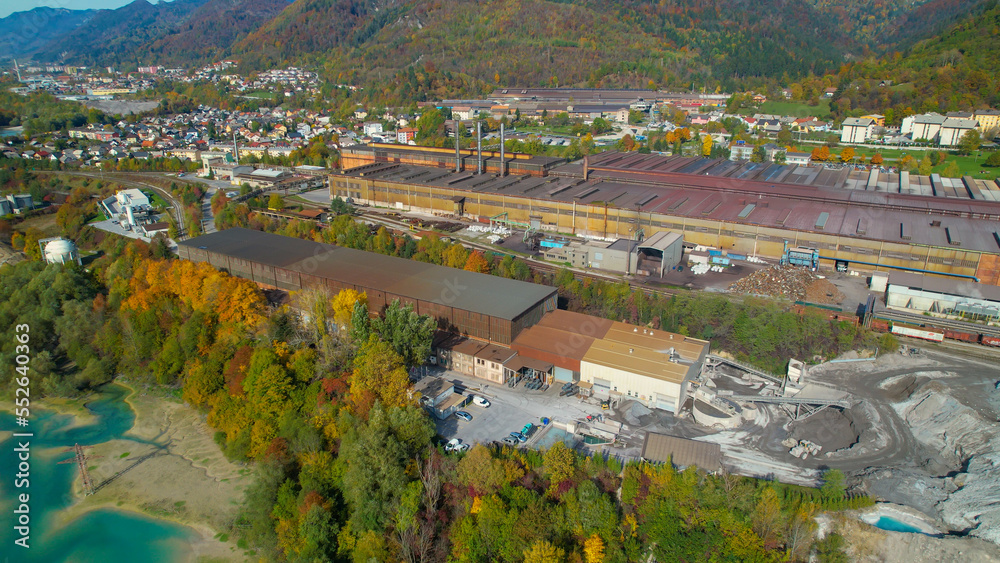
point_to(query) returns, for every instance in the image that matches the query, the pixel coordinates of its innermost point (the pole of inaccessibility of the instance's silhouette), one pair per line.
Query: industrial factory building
(481, 306)
(651, 366)
(931, 294)
(857, 219)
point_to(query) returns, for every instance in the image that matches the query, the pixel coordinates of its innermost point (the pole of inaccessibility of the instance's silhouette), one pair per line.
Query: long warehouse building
(480, 306)
(861, 219)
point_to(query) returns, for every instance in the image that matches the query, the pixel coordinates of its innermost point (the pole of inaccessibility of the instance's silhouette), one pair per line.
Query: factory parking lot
(510, 410)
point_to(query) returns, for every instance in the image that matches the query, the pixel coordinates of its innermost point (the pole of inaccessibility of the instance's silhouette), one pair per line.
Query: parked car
(510, 441)
(464, 416)
(452, 445)
(481, 401)
(461, 448)
(567, 385)
(519, 437)
(527, 429)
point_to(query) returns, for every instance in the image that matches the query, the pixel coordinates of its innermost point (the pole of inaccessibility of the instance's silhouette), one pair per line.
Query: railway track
(936, 322)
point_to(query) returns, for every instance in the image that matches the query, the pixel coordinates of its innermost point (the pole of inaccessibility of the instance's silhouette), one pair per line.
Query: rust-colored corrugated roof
(682, 451)
(495, 353)
(468, 347)
(561, 338)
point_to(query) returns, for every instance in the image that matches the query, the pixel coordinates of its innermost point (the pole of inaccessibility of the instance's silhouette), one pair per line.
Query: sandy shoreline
(167, 466)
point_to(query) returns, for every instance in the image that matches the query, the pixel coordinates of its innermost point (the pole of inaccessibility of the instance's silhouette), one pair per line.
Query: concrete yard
(510, 410)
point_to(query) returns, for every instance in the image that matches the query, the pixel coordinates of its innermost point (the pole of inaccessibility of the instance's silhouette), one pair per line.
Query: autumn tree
(847, 154)
(544, 552)
(877, 159)
(480, 472)
(275, 202)
(477, 263)
(455, 256)
(821, 153)
(343, 307)
(593, 549)
(706, 145)
(767, 519)
(924, 168)
(379, 375)
(559, 462)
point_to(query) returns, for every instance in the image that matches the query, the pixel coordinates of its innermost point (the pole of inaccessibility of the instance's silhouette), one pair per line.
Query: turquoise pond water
(96, 536)
(893, 525)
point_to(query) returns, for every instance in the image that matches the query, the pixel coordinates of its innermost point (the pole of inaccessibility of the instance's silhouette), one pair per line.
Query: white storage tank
(60, 251)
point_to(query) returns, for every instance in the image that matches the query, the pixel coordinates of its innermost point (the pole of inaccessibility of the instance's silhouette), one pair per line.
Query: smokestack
(236, 150)
(479, 146)
(458, 153)
(586, 167)
(503, 167)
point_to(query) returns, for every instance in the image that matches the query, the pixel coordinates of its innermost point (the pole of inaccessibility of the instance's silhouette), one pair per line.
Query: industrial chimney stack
(586, 167)
(458, 153)
(479, 146)
(503, 165)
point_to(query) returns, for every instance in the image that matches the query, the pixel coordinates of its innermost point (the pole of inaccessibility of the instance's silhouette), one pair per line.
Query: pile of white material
(966, 440)
(495, 229)
(699, 269)
(802, 448)
(495, 239)
(754, 260)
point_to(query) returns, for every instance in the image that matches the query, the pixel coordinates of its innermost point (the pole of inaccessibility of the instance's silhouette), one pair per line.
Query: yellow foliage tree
(260, 437)
(378, 375)
(559, 463)
(706, 145)
(544, 552)
(593, 549)
(456, 256)
(847, 154)
(343, 307)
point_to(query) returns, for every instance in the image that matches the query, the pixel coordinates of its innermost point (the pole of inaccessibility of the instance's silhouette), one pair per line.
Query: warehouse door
(602, 386)
(562, 374)
(665, 402)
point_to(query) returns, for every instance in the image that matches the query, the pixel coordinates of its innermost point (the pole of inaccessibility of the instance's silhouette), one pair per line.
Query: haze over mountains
(516, 42)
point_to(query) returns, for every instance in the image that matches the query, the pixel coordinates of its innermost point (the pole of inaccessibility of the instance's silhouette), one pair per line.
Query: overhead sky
(7, 7)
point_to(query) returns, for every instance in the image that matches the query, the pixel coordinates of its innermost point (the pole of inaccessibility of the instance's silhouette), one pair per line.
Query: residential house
(829, 92)
(740, 151)
(406, 134)
(953, 129)
(464, 113)
(857, 129)
(373, 128)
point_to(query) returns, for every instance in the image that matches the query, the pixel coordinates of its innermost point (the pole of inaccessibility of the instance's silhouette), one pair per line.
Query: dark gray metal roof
(482, 293)
(682, 451)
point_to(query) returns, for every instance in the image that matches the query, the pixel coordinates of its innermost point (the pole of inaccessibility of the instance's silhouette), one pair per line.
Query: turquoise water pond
(96, 536)
(893, 525)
